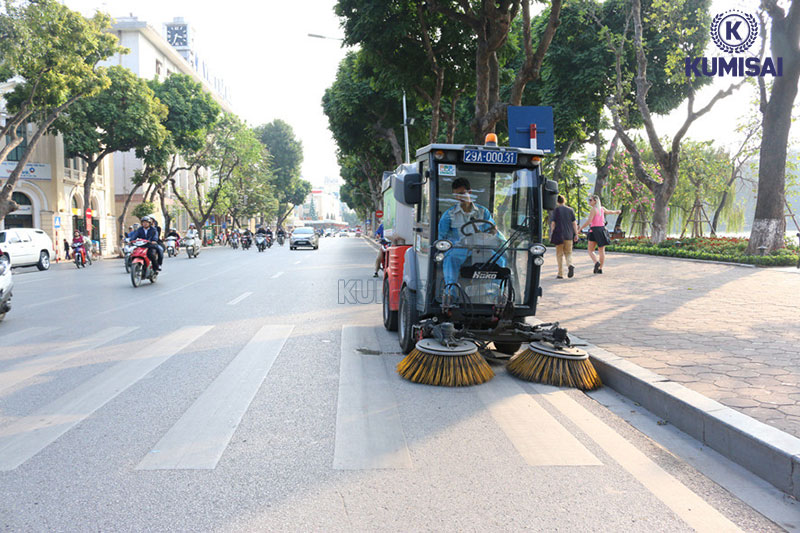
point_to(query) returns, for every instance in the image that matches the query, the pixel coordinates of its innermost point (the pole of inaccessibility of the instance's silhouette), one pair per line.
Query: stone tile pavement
(731, 333)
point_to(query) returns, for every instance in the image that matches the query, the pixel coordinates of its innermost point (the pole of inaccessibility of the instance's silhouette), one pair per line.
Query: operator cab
(477, 229)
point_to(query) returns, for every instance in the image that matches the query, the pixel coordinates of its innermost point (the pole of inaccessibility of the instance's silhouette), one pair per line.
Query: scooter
(127, 249)
(246, 242)
(261, 242)
(234, 243)
(192, 249)
(79, 252)
(172, 249)
(281, 239)
(6, 285)
(141, 266)
(269, 241)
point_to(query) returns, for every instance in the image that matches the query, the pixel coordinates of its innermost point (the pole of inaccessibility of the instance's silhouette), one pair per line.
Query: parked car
(6, 285)
(303, 237)
(27, 247)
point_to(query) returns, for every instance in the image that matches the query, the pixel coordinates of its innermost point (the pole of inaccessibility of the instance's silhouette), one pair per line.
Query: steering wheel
(474, 223)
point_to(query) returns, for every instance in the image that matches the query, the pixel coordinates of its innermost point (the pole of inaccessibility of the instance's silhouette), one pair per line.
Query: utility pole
(405, 126)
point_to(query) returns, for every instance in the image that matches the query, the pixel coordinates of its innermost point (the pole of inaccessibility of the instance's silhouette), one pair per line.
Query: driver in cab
(456, 218)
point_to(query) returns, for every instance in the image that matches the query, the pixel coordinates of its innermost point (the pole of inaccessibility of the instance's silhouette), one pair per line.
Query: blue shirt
(379, 232)
(454, 218)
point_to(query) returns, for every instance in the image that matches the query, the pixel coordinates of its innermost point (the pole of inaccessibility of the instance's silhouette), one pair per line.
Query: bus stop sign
(520, 119)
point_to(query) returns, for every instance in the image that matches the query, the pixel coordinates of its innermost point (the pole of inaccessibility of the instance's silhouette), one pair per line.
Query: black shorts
(599, 235)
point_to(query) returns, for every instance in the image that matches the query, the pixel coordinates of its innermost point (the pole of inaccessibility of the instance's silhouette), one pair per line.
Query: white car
(27, 247)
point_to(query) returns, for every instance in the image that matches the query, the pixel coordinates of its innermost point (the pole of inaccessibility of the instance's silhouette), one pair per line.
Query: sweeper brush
(455, 364)
(544, 362)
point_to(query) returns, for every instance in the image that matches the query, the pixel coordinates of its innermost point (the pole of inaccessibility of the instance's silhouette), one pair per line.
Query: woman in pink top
(598, 238)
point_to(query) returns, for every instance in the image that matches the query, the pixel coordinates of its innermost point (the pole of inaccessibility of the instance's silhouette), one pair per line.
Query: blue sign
(520, 119)
(224, 225)
(57, 222)
(212, 219)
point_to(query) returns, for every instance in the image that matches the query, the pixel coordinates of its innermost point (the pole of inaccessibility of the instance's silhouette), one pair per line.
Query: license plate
(492, 157)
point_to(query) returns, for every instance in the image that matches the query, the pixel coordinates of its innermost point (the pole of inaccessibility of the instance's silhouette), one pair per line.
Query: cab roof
(432, 147)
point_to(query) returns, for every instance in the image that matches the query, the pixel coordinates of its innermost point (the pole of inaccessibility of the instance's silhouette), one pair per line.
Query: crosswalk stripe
(51, 302)
(199, 438)
(49, 360)
(690, 507)
(27, 334)
(239, 298)
(369, 434)
(538, 437)
(29, 435)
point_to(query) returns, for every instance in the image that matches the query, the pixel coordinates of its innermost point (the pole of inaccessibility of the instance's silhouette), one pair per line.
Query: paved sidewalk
(730, 333)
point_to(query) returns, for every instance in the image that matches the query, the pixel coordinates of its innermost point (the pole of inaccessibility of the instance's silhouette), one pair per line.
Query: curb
(767, 452)
(771, 454)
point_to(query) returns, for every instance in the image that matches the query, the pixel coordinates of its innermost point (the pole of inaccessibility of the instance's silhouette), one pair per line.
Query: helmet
(147, 218)
(191, 224)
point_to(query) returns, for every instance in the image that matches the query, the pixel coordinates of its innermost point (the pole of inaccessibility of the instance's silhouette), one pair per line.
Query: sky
(275, 70)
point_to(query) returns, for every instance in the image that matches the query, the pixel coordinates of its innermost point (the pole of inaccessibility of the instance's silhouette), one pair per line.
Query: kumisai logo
(734, 32)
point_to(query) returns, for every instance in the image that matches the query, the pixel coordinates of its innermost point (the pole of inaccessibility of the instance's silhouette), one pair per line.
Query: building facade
(50, 191)
(157, 55)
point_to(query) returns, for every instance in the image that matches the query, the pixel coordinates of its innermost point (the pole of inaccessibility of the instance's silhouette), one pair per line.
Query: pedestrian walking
(598, 234)
(66, 249)
(563, 232)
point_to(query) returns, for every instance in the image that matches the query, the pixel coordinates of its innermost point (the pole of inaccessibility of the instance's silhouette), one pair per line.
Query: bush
(725, 249)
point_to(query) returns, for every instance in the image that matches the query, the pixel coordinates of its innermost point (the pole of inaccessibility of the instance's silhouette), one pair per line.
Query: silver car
(6, 285)
(303, 237)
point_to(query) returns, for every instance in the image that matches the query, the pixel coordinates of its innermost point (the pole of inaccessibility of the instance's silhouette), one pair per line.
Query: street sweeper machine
(462, 273)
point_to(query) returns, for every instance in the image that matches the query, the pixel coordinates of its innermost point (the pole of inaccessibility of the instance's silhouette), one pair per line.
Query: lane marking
(199, 438)
(31, 434)
(279, 274)
(239, 298)
(49, 360)
(51, 301)
(538, 437)
(369, 434)
(28, 334)
(690, 507)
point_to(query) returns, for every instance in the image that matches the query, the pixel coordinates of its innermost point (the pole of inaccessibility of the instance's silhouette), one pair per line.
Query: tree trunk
(164, 210)
(121, 218)
(603, 164)
(660, 223)
(769, 224)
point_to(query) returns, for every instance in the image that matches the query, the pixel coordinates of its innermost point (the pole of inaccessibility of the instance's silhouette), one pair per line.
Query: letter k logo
(732, 30)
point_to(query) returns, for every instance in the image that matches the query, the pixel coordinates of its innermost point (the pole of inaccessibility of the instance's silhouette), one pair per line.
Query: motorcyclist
(174, 233)
(78, 240)
(261, 230)
(149, 233)
(192, 232)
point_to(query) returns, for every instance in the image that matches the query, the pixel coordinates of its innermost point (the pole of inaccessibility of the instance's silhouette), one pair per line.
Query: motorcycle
(234, 243)
(79, 252)
(261, 242)
(172, 247)
(6, 285)
(127, 248)
(191, 245)
(269, 241)
(141, 266)
(246, 242)
(281, 238)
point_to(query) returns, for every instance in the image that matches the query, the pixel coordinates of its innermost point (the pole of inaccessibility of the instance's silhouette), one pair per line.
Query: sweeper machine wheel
(433, 363)
(565, 366)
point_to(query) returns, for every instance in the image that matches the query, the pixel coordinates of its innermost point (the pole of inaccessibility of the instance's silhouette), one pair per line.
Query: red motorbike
(141, 266)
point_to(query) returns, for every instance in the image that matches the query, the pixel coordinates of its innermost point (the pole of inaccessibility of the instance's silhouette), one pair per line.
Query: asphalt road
(239, 393)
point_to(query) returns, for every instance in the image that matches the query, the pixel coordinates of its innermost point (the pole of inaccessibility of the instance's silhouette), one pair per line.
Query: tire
(407, 318)
(389, 316)
(44, 261)
(508, 348)
(128, 264)
(136, 274)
